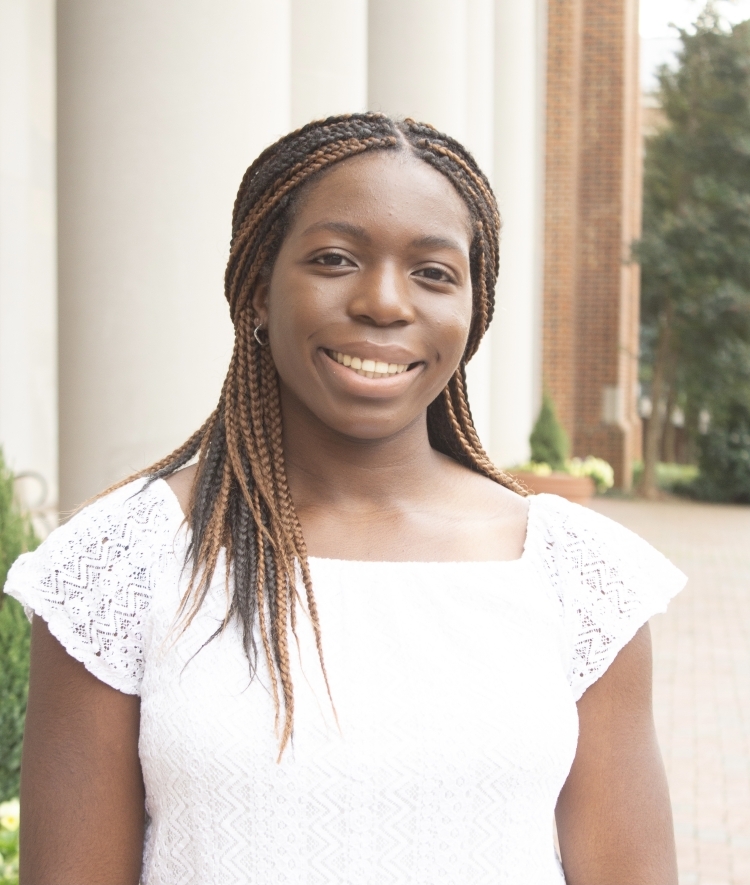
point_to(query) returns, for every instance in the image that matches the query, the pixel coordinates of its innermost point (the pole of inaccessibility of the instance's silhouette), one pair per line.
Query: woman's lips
(367, 368)
(373, 378)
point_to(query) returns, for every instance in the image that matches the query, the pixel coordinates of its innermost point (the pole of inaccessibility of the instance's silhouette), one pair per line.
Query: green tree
(725, 459)
(695, 248)
(16, 536)
(548, 440)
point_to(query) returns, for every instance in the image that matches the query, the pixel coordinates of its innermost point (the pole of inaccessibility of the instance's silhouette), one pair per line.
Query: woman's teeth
(368, 368)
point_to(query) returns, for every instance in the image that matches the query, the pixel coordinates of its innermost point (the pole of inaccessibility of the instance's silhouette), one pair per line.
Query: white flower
(598, 469)
(10, 815)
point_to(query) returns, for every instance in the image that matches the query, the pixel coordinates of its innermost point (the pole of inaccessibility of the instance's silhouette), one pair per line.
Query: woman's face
(369, 303)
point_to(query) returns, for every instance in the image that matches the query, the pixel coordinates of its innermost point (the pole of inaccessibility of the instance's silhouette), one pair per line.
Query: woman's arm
(614, 819)
(82, 798)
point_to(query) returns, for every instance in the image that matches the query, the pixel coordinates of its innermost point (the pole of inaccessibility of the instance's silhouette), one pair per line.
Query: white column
(329, 58)
(480, 133)
(161, 108)
(480, 85)
(28, 338)
(418, 61)
(518, 182)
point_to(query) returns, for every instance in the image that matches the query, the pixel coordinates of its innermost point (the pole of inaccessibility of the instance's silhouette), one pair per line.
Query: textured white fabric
(454, 684)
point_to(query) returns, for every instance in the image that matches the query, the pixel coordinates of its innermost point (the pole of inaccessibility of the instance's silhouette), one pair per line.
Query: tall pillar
(161, 107)
(28, 338)
(518, 180)
(593, 215)
(563, 136)
(418, 61)
(445, 77)
(328, 58)
(607, 421)
(480, 135)
(632, 218)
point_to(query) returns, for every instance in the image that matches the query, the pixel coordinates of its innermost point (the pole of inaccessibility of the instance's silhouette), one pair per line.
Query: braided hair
(240, 500)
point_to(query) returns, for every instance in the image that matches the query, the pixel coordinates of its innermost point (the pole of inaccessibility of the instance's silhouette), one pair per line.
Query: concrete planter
(578, 489)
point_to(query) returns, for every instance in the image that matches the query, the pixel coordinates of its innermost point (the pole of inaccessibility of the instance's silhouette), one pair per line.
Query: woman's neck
(325, 468)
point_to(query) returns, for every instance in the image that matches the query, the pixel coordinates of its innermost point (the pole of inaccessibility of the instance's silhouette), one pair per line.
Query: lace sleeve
(91, 581)
(609, 582)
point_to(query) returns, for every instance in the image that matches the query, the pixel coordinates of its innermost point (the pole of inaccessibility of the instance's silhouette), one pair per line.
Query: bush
(597, 468)
(676, 477)
(14, 680)
(9, 821)
(16, 536)
(549, 442)
(724, 459)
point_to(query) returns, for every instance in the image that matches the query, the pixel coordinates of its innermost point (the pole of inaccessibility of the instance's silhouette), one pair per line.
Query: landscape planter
(578, 489)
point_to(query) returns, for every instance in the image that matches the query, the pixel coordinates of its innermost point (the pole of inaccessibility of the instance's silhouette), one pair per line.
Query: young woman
(343, 647)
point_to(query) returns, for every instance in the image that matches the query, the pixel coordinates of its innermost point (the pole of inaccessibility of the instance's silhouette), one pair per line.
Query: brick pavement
(702, 681)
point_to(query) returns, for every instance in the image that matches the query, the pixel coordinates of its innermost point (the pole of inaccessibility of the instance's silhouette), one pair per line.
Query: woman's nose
(383, 299)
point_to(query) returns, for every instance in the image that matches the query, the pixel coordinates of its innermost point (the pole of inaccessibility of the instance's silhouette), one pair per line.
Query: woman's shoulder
(564, 530)
(92, 580)
(574, 542)
(136, 519)
(608, 580)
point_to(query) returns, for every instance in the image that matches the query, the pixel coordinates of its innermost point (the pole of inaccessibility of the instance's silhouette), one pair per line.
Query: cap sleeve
(91, 581)
(609, 582)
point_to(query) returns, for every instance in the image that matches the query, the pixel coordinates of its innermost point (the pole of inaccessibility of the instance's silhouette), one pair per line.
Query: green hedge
(16, 536)
(14, 679)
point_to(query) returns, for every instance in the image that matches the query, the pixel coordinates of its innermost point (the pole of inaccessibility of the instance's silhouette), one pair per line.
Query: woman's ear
(260, 302)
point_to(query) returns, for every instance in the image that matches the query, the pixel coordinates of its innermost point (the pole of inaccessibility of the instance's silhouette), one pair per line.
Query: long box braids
(240, 500)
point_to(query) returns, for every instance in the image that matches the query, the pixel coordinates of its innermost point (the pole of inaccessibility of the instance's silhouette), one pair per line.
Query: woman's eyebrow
(340, 227)
(428, 241)
(432, 241)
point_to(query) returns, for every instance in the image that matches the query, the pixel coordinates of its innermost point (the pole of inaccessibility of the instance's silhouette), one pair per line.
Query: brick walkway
(702, 681)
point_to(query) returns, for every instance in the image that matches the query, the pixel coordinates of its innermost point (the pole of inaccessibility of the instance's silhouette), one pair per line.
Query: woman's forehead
(383, 185)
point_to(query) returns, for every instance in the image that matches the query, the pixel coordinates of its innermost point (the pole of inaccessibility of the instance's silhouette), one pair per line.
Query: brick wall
(592, 214)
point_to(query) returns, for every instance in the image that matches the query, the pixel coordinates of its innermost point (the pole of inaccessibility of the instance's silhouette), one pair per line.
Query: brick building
(592, 215)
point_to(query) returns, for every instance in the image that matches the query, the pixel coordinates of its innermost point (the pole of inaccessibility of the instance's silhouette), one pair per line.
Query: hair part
(240, 499)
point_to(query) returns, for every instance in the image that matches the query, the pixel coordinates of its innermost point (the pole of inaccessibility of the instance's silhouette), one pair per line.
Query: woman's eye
(435, 274)
(332, 259)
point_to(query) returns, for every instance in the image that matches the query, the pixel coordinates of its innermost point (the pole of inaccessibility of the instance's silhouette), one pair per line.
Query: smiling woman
(342, 646)
(387, 282)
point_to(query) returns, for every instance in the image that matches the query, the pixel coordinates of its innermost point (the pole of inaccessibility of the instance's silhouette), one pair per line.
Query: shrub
(549, 442)
(597, 468)
(14, 679)
(16, 536)
(676, 477)
(724, 459)
(9, 821)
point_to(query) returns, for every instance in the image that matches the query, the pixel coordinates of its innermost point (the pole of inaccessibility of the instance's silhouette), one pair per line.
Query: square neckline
(171, 498)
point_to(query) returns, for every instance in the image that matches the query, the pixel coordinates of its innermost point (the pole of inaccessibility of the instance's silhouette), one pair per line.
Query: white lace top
(455, 686)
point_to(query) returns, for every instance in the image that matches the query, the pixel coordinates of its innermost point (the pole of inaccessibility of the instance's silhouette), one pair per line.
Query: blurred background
(617, 139)
(125, 129)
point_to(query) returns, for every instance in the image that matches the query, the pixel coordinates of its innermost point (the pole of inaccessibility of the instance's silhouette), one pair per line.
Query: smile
(368, 368)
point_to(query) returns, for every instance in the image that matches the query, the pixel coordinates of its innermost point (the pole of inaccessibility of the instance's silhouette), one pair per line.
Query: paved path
(702, 681)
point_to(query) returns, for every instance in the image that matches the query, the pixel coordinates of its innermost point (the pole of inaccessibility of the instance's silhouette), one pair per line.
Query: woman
(343, 646)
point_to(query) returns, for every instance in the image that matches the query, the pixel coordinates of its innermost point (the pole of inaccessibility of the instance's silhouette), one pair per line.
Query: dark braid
(240, 499)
